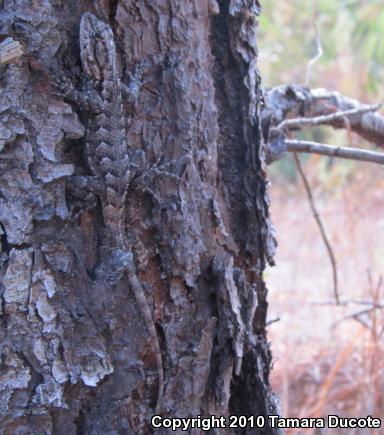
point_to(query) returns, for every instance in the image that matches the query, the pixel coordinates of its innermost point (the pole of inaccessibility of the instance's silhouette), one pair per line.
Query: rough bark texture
(76, 357)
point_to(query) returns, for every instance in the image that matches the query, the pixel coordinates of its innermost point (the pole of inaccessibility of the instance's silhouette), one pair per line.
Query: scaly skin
(108, 158)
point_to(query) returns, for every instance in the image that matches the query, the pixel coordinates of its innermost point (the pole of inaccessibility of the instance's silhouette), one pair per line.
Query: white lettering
(345, 422)
(333, 421)
(156, 421)
(273, 420)
(167, 422)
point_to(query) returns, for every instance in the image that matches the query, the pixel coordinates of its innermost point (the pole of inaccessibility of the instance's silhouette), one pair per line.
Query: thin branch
(356, 315)
(320, 225)
(293, 101)
(325, 119)
(349, 130)
(304, 146)
(346, 303)
(270, 322)
(319, 48)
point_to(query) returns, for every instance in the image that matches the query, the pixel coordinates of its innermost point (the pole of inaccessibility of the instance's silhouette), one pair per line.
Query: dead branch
(346, 303)
(293, 101)
(303, 146)
(357, 315)
(319, 48)
(321, 227)
(270, 322)
(291, 124)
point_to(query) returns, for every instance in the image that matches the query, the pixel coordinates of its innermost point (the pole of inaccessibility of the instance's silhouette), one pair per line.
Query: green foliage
(350, 32)
(369, 40)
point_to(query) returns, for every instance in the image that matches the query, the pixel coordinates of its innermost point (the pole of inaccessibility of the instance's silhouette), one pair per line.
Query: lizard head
(97, 47)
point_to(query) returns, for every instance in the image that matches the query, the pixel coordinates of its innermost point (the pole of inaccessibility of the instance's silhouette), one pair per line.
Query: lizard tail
(146, 314)
(160, 371)
(159, 359)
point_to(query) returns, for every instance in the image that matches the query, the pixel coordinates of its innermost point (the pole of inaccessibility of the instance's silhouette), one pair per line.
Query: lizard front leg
(132, 90)
(87, 98)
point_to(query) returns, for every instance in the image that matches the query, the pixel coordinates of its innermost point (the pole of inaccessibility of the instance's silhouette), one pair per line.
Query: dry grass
(326, 361)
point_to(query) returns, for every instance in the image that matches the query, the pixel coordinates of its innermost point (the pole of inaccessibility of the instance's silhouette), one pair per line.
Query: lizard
(108, 159)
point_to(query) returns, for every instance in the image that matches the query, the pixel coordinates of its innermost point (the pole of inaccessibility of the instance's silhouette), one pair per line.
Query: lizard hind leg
(110, 272)
(83, 198)
(112, 269)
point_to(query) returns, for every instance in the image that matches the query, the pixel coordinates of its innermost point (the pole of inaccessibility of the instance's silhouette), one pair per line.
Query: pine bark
(76, 357)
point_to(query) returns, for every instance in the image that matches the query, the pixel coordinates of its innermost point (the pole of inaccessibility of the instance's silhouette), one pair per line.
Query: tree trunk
(76, 357)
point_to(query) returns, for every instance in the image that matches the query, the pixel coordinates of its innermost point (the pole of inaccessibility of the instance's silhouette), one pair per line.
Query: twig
(325, 119)
(293, 101)
(346, 302)
(304, 146)
(320, 225)
(349, 130)
(319, 48)
(269, 322)
(10, 49)
(356, 316)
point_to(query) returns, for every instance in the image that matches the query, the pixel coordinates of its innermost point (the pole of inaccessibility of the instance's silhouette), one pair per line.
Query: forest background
(328, 359)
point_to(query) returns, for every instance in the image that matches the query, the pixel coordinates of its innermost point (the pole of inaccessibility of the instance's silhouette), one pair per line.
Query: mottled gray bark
(76, 356)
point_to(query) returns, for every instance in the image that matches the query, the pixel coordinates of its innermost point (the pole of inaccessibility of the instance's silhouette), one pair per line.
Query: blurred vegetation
(351, 35)
(325, 362)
